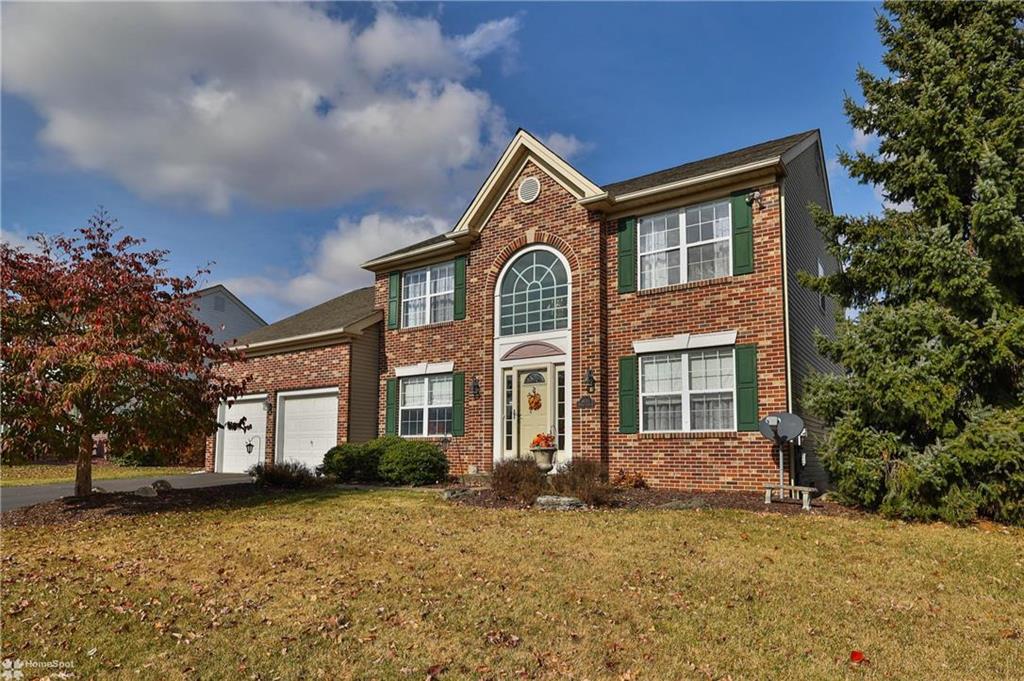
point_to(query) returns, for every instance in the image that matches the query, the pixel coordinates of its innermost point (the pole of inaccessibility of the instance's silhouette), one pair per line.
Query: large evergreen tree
(927, 419)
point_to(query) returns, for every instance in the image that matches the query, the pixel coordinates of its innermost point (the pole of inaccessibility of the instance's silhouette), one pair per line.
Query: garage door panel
(309, 425)
(233, 457)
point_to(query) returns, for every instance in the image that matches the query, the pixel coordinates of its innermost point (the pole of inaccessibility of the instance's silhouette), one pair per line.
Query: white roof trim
(424, 368)
(685, 341)
(522, 145)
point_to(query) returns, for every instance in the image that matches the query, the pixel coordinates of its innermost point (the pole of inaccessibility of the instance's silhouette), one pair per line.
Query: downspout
(785, 322)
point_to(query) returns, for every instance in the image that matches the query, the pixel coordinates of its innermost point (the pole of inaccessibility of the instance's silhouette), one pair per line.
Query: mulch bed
(71, 510)
(645, 498)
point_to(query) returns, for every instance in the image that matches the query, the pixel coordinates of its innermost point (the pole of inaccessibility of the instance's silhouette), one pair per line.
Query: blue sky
(288, 143)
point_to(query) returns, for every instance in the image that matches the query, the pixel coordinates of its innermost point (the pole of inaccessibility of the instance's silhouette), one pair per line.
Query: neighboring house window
(218, 303)
(685, 245)
(426, 405)
(428, 295)
(535, 294)
(688, 391)
(821, 296)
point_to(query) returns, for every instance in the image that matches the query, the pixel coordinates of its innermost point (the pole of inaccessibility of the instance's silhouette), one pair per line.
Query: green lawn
(39, 474)
(344, 584)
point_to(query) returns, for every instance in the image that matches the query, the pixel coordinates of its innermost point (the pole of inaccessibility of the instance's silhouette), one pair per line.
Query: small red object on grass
(857, 656)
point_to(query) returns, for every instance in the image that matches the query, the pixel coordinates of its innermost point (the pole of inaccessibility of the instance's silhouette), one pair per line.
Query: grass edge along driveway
(44, 474)
(397, 584)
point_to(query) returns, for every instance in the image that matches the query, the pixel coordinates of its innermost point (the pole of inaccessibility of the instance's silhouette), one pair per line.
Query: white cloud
(277, 104)
(566, 146)
(862, 141)
(18, 238)
(334, 266)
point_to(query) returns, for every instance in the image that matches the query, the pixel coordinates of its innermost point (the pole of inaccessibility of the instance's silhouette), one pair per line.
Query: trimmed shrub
(357, 461)
(290, 474)
(412, 462)
(518, 479)
(584, 480)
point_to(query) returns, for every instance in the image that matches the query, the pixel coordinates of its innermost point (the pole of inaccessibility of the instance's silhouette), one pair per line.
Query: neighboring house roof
(221, 288)
(773, 153)
(337, 315)
(740, 157)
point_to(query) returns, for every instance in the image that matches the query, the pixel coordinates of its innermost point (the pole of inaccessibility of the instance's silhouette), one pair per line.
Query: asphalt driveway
(27, 495)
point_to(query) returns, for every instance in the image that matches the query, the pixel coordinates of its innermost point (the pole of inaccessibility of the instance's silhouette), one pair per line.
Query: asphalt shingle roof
(731, 159)
(333, 314)
(752, 154)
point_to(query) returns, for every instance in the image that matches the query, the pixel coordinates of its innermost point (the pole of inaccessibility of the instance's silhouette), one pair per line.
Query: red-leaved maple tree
(97, 337)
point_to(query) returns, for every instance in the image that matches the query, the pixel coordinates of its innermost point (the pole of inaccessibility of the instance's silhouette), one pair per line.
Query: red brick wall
(604, 325)
(750, 304)
(316, 368)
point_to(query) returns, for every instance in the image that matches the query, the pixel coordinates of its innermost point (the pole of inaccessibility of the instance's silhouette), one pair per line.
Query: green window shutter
(458, 403)
(746, 387)
(391, 415)
(394, 298)
(460, 287)
(627, 255)
(742, 234)
(629, 409)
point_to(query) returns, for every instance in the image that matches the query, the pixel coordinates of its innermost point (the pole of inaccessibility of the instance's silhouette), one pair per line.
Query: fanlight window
(535, 294)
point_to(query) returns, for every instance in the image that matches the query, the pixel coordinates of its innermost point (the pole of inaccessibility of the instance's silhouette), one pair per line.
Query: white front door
(232, 456)
(534, 406)
(533, 402)
(307, 427)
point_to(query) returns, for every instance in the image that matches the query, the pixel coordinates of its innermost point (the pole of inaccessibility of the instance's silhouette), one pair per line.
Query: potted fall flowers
(543, 448)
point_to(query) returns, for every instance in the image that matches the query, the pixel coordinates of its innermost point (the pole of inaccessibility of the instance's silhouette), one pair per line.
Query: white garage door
(232, 457)
(308, 427)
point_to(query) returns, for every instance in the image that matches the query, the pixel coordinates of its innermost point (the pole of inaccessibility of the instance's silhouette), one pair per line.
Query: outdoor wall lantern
(588, 381)
(249, 445)
(474, 387)
(268, 403)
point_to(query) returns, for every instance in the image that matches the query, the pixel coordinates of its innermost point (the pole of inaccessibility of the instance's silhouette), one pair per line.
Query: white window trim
(685, 341)
(428, 296)
(425, 408)
(424, 368)
(686, 392)
(683, 247)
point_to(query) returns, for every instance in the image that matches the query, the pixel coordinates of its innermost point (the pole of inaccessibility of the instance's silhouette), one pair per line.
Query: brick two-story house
(647, 324)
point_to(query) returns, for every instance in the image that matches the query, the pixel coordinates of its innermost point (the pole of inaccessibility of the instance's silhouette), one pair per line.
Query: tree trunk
(83, 468)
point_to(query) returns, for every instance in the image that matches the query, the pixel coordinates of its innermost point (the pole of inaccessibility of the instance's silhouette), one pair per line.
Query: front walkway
(27, 495)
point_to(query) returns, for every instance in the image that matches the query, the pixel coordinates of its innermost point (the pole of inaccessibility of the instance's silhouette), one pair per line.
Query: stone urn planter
(545, 458)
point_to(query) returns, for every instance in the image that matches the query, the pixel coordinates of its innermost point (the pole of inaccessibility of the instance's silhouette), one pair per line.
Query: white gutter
(354, 328)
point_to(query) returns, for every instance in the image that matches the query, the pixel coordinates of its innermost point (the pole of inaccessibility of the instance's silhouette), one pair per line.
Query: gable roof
(772, 154)
(337, 315)
(221, 288)
(756, 153)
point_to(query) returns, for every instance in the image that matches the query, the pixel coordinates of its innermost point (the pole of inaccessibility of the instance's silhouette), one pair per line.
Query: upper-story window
(535, 294)
(686, 244)
(428, 295)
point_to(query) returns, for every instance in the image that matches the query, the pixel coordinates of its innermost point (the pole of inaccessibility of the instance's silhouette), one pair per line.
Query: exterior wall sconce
(474, 387)
(589, 381)
(268, 403)
(249, 445)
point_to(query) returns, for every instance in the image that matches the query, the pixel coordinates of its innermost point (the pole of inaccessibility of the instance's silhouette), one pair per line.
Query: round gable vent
(529, 189)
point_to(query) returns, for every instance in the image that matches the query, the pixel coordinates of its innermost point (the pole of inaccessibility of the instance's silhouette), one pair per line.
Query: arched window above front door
(534, 294)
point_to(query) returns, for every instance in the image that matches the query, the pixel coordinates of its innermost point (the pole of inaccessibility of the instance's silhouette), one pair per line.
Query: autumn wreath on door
(533, 400)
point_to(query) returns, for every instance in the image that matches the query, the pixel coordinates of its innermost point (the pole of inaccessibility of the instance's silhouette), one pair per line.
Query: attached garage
(232, 456)
(307, 425)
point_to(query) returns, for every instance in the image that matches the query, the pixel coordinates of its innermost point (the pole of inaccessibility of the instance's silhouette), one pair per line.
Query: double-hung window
(685, 245)
(691, 390)
(428, 295)
(426, 405)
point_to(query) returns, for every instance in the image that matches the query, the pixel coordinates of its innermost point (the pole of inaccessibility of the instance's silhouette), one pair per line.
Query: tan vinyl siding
(364, 386)
(805, 183)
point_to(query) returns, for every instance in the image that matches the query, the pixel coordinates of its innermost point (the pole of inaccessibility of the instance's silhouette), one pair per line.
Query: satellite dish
(781, 427)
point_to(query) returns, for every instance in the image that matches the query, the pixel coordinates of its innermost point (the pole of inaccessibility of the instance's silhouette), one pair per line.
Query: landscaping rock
(683, 504)
(162, 486)
(554, 503)
(456, 494)
(145, 491)
(99, 490)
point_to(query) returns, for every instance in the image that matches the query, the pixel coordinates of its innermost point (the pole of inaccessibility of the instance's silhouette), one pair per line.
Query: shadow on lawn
(122, 504)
